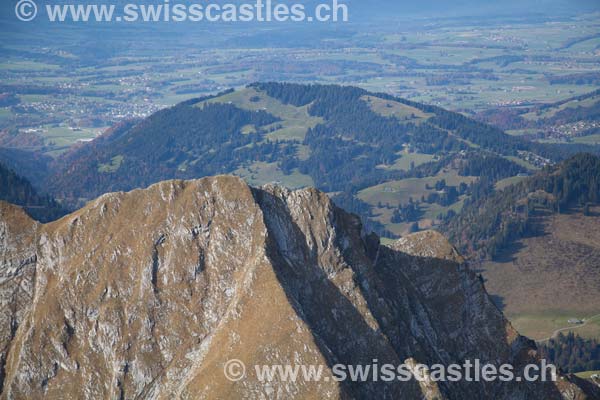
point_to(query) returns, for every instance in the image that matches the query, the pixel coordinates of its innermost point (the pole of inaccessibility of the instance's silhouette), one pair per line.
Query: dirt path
(568, 328)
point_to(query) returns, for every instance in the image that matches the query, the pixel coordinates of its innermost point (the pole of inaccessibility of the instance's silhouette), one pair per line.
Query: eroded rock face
(148, 294)
(18, 234)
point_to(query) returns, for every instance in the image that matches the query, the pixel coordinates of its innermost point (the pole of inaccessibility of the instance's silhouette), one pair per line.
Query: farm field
(543, 325)
(461, 65)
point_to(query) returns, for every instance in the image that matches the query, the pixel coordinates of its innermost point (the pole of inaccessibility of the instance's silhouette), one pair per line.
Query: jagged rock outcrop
(147, 294)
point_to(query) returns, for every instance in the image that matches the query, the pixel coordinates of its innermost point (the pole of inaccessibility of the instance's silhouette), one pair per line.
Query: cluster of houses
(569, 131)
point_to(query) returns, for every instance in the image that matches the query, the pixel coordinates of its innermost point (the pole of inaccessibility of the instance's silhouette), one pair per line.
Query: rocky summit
(147, 295)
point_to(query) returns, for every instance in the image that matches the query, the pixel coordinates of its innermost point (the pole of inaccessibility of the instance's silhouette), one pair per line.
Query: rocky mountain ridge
(147, 294)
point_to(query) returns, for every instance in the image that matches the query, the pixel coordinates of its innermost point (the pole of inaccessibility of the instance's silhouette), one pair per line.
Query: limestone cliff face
(147, 294)
(17, 271)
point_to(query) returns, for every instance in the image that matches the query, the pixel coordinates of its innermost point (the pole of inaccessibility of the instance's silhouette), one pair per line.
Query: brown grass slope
(556, 272)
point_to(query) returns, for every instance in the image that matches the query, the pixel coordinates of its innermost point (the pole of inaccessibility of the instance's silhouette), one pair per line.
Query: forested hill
(395, 162)
(489, 223)
(17, 190)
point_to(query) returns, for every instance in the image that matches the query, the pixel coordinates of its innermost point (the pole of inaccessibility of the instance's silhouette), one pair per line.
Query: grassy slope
(406, 159)
(504, 183)
(295, 122)
(543, 281)
(260, 173)
(399, 192)
(587, 374)
(590, 139)
(389, 108)
(551, 111)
